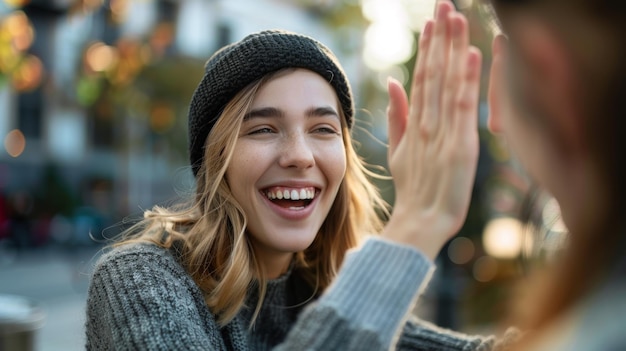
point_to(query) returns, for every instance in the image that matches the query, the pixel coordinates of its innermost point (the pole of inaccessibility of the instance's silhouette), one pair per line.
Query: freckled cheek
(244, 166)
(332, 160)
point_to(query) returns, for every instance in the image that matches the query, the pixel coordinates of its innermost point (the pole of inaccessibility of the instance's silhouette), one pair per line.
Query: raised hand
(433, 136)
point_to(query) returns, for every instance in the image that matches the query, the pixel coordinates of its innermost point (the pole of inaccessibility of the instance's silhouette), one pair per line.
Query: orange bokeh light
(16, 3)
(29, 74)
(20, 30)
(100, 57)
(15, 143)
(119, 9)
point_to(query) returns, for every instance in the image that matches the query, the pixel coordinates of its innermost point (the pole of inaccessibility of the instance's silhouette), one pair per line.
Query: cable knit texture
(141, 298)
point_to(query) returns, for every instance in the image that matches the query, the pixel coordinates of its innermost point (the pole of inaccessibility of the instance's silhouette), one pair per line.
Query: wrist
(415, 230)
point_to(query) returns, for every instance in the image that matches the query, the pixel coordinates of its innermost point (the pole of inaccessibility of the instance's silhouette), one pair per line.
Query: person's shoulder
(135, 255)
(134, 249)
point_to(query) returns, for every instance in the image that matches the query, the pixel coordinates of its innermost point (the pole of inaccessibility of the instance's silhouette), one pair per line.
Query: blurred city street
(94, 98)
(56, 278)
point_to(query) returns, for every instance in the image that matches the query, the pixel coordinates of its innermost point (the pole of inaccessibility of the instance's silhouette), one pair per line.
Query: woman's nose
(296, 152)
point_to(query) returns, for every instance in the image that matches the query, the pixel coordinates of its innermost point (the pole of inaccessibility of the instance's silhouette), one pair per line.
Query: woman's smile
(291, 198)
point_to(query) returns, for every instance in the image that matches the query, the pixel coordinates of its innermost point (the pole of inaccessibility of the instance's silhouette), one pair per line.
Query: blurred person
(282, 246)
(557, 92)
(19, 224)
(4, 217)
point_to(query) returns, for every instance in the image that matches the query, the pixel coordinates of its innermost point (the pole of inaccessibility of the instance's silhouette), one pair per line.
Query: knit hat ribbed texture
(237, 65)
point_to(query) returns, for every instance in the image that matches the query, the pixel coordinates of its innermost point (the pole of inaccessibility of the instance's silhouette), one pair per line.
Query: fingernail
(391, 80)
(440, 12)
(499, 43)
(457, 25)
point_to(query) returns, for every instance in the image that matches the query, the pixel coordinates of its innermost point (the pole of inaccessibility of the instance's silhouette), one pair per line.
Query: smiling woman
(284, 208)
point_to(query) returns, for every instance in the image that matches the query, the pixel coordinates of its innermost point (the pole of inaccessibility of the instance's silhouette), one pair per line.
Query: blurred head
(564, 74)
(557, 93)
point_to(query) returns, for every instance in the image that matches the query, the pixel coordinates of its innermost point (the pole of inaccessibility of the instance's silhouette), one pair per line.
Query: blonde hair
(215, 249)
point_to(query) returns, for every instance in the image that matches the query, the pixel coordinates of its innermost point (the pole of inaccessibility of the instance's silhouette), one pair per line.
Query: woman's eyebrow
(321, 111)
(263, 112)
(276, 112)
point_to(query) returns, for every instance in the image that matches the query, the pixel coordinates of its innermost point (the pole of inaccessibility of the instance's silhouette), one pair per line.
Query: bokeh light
(100, 57)
(387, 45)
(28, 74)
(390, 37)
(88, 89)
(131, 58)
(419, 12)
(16, 36)
(88, 5)
(119, 9)
(20, 30)
(551, 217)
(161, 117)
(15, 143)
(485, 269)
(16, 3)
(162, 37)
(399, 72)
(503, 238)
(461, 250)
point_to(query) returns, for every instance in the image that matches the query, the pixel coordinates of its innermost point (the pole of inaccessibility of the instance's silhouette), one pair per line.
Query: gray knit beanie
(236, 65)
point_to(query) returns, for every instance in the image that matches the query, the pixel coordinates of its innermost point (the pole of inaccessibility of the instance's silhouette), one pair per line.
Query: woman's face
(288, 162)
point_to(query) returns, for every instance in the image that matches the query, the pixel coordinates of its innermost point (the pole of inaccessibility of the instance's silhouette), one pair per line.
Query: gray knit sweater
(141, 298)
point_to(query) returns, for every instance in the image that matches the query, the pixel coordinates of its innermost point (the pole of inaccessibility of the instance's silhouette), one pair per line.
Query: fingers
(434, 149)
(419, 72)
(466, 116)
(397, 113)
(435, 67)
(455, 74)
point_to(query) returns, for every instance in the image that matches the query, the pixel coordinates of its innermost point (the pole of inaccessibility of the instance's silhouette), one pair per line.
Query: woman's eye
(265, 130)
(326, 130)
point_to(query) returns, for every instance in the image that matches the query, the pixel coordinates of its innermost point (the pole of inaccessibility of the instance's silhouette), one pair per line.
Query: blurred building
(98, 125)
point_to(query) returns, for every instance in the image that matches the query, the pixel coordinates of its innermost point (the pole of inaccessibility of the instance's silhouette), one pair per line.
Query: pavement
(56, 280)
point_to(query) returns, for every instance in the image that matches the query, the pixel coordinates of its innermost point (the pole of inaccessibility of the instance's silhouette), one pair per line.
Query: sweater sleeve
(140, 299)
(418, 334)
(367, 305)
(368, 308)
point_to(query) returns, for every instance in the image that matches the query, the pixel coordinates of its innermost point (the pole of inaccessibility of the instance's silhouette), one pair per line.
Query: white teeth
(293, 194)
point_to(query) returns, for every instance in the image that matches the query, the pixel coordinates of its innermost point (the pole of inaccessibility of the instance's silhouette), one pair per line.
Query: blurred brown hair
(594, 32)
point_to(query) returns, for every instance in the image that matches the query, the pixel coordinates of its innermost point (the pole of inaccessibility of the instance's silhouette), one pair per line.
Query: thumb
(397, 113)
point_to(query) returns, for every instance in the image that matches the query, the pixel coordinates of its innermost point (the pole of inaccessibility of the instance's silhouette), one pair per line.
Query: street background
(93, 130)
(56, 279)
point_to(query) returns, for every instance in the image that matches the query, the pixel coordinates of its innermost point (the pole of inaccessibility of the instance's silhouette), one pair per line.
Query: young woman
(558, 86)
(271, 251)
